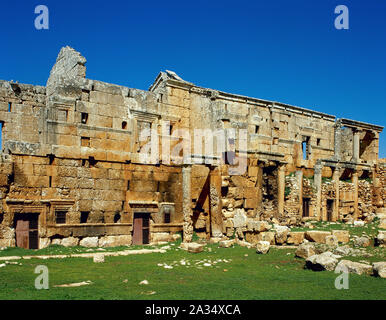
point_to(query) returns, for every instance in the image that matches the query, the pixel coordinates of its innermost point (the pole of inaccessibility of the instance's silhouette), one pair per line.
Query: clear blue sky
(286, 51)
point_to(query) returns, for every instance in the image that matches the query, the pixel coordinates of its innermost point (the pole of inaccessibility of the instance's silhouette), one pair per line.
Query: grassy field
(243, 275)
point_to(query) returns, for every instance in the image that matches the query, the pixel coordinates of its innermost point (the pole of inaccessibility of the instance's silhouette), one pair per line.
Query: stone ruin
(72, 171)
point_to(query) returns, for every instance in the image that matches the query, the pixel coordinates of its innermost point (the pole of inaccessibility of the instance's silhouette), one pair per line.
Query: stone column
(336, 178)
(216, 220)
(356, 145)
(337, 143)
(355, 183)
(280, 190)
(259, 185)
(187, 204)
(318, 186)
(299, 175)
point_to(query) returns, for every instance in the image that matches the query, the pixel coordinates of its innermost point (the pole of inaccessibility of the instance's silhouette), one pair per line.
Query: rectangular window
(84, 216)
(257, 129)
(306, 148)
(84, 117)
(318, 142)
(128, 184)
(167, 217)
(9, 106)
(1, 218)
(50, 181)
(85, 141)
(60, 217)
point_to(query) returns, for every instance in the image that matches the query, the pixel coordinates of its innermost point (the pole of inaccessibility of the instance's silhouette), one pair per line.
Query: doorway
(27, 230)
(306, 207)
(141, 228)
(330, 209)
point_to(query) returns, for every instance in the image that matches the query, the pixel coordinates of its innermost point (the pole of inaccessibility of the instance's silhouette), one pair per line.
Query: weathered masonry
(71, 171)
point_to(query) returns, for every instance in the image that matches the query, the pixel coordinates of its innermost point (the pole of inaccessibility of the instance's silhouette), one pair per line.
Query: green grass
(276, 275)
(369, 229)
(60, 250)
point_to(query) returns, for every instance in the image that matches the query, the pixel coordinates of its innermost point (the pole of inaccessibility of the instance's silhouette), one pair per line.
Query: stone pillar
(355, 183)
(259, 185)
(280, 190)
(337, 143)
(356, 145)
(299, 176)
(336, 179)
(187, 203)
(216, 221)
(318, 186)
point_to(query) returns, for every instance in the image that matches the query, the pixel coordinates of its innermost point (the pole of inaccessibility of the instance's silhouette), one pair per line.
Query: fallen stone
(323, 261)
(317, 236)
(354, 267)
(214, 240)
(244, 244)
(268, 236)
(332, 240)
(305, 250)
(361, 242)
(226, 243)
(99, 258)
(76, 284)
(380, 240)
(343, 236)
(359, 223)
(144, 282)
(281, 236)
(262, 247)
(194, 247)
(343, 250)
(379, 269)
(295, 237)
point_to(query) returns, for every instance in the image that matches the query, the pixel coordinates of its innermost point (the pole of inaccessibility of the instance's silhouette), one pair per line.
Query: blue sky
(287, 51)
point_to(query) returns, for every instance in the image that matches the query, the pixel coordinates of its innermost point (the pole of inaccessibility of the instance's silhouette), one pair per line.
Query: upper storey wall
(22, 110)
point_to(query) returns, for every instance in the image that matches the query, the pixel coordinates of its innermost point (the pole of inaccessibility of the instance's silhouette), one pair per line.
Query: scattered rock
(379, 269)
(262, 247)
(244, 244)
(354, 267)
(332, 240)
(144, 282)
(343, 250)
(317, 236)
(295, 237)
(194, 247)
(380, 240)
(98, 258)
(76, 284)
(342, 235)
(324, 261)
(305, 250)
(226, 243)
(281, 234)
(359, 223)
(361, 241)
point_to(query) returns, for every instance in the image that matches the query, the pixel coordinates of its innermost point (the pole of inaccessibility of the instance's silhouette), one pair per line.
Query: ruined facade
(73, 171)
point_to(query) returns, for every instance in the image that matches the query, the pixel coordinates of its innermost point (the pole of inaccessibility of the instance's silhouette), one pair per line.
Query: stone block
(317, 236)
(343, 236)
